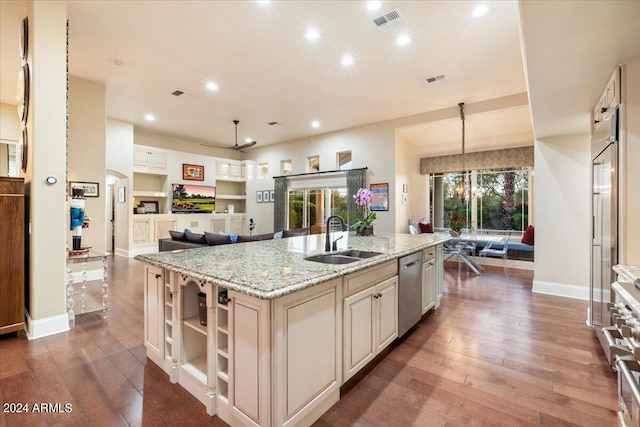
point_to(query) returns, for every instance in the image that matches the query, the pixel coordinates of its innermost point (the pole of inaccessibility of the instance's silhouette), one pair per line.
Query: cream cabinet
(228, 169)
(229, 223)
(154, 313)
(149, 160)
(428, 279)
(370, 324)
(249, 349)
(141, 230)
(439, 275)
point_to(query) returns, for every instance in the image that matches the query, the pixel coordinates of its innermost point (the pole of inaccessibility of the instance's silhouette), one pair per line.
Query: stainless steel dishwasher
(409, 291)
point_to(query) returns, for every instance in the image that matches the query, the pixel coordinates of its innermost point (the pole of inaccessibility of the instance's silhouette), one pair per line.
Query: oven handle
(626, 371)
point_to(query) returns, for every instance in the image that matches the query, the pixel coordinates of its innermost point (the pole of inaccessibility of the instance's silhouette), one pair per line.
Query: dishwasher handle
(411, 264)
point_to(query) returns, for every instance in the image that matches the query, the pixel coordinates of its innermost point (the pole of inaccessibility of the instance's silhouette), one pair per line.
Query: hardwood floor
(494, 354)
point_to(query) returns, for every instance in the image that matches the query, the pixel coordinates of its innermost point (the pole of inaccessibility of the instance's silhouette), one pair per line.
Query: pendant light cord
(464, 169)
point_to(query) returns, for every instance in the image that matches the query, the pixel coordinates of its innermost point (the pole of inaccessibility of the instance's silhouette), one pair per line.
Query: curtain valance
(495, 159)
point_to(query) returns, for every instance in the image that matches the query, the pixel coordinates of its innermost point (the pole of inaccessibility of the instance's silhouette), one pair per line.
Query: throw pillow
(177, 235)
(195, 237)
(278, 235)
(426, 228)
(216, 239)
(527, 237)
(257, 237)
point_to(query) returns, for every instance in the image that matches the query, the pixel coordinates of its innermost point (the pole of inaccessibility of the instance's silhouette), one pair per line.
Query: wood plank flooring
(493, 355)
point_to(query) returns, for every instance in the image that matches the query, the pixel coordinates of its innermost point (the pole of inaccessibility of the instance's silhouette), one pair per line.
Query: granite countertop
(271, 268)
(630, 273)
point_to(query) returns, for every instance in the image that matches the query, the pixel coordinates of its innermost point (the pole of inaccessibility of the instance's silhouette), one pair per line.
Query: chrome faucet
(327, 243)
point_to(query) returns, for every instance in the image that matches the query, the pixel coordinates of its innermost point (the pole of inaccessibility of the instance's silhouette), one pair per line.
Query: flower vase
(367, 231)
(454, 233)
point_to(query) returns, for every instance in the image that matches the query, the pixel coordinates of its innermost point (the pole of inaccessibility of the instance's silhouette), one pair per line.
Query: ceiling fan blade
(247, 145)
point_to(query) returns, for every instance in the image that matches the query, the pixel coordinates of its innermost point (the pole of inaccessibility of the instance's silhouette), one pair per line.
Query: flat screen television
(189, 198)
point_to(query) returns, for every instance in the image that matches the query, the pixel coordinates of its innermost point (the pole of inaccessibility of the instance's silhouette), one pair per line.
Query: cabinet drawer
(428, 254)
(356, 281)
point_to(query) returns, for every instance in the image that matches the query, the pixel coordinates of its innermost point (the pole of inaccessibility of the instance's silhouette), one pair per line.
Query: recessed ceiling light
(212, 86)
(247, 140)
(315, 124)
(150, 117)
(402, 40)
(480, 10)
(347, 60)
(373, 5)
(312, 34)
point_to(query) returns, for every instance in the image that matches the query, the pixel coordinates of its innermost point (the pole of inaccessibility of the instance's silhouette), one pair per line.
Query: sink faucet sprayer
(328, 246)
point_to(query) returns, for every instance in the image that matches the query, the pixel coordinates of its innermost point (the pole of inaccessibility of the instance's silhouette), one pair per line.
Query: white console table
(79, 301)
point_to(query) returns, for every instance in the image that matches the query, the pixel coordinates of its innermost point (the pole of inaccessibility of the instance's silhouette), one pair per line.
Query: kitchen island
(261, 335)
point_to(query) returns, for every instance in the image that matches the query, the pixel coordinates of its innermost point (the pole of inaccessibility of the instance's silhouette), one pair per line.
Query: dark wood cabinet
(12, 254)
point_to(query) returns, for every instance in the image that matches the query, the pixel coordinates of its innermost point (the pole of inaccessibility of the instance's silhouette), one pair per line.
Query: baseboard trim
(560, 289)
(48, 326)
(122, 252)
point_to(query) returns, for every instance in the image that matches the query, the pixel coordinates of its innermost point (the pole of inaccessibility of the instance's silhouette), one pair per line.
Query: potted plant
(457, 223)
(363, 226)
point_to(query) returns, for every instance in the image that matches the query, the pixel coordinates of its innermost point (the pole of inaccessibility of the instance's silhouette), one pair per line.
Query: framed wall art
(272, 196)
(150, 206)
(192, 172)
(258, 196)
(265, 196)
(380, 197)
(91, 189)
(122, 191)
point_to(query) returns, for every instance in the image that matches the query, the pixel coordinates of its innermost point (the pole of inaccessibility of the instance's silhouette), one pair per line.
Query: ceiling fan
(237, 147)
(243, 146)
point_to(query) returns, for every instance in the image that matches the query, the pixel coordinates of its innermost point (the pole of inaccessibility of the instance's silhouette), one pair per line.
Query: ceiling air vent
(436, 78)
(389, 20)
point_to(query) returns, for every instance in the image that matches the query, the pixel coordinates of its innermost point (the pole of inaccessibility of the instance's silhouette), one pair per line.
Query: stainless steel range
(623, 349)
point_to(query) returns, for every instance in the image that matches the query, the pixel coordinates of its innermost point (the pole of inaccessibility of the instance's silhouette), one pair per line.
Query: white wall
(118, 162)
(87, 153)
(371, 146)
(562, 212)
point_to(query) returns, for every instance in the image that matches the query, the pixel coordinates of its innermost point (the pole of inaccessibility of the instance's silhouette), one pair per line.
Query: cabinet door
(222, 169)
(428, 285)
(359, 331)
(163, 226)
(218, 225)
(154, 313)
(236, 225)
(387, 313)
(140, 158)
(141, 231)
(251, 347)
(157, 161)
(235, 170)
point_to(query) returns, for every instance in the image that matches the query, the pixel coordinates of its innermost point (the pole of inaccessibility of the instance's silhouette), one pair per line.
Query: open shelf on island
(194, 323)
(197, 368)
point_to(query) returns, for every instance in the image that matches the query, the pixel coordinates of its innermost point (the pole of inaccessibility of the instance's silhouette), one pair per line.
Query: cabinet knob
(158, 276)
(603, 110)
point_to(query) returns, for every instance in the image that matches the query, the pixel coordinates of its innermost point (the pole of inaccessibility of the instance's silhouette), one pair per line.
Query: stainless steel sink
(345, 257)
(332, 259)
(360, 254)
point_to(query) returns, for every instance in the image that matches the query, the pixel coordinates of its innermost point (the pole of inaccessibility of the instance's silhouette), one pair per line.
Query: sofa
(188, 240)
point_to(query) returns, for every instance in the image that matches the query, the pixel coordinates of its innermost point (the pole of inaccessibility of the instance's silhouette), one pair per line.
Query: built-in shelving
(223, 361)
(194, 357)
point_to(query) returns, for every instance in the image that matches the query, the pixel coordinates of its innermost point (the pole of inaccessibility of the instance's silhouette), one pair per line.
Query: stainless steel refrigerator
(604, 210)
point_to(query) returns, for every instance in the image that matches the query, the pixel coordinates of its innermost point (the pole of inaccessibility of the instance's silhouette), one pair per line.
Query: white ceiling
(268, 71)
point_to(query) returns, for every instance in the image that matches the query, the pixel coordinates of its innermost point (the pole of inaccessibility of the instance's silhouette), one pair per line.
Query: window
(344, 161)
(502, 199)
(313, 164)
(285, 167)
(487, 200)
(263, 170)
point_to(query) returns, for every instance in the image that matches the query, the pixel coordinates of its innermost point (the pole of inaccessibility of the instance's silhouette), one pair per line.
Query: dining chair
(492, 249)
